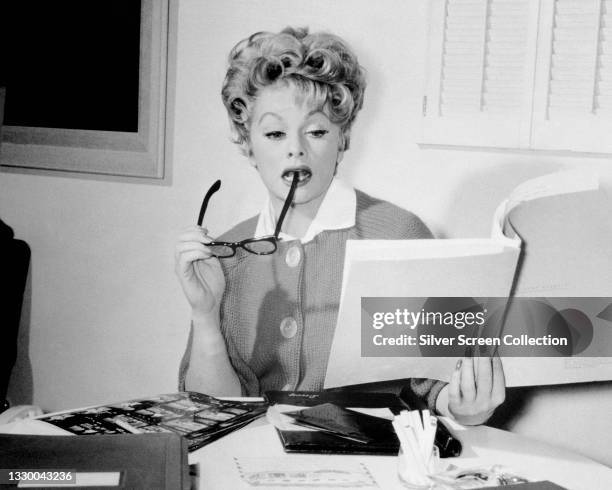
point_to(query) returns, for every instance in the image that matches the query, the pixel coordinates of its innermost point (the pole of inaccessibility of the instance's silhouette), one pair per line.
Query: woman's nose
(295, 147)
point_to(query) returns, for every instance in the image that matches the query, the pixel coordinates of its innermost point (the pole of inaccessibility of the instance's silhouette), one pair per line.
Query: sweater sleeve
(426, 391)
(185, 361)
(382, 220)
(249, 385)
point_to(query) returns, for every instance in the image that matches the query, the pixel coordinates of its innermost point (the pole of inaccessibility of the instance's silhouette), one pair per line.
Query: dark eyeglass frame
(244, 244)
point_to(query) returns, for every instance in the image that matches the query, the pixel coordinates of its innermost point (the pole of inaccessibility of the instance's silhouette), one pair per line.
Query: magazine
(199, 418)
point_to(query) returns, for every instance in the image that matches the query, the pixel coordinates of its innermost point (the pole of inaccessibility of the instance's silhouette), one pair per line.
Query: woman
(263, 322)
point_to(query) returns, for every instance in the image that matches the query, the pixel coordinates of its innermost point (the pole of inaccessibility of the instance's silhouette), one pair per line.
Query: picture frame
(130, 154)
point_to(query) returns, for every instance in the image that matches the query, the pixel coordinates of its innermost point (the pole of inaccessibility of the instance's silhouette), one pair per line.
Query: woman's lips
(304, 175)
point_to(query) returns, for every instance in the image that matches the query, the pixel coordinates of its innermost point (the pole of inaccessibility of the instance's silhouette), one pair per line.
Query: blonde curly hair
(321, 65)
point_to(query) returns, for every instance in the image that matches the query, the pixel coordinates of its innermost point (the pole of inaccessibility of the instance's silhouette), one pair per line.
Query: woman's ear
(339, 157)
(338, 160)
(246, 147)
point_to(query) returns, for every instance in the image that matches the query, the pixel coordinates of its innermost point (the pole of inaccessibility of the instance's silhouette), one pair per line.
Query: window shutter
(481, 61)
(573, 88)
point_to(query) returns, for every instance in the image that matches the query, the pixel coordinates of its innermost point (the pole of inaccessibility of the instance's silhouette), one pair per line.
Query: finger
(187, 259)
(194, 234)
(498, 391)
(468, 386)
(183, 247)
(194, 228)
(484, 379)
(454, 389)
(187, 246)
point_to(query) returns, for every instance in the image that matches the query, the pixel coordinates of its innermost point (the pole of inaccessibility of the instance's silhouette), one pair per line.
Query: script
(551, 237)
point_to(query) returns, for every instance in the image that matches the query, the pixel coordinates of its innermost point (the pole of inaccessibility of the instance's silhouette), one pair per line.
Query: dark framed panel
(117, 121)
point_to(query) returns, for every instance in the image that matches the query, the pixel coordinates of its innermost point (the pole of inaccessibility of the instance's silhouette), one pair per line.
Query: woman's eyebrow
(315, 112)
(274, 114)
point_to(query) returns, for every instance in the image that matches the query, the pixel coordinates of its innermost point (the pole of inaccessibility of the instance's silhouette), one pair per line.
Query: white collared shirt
(337, 211)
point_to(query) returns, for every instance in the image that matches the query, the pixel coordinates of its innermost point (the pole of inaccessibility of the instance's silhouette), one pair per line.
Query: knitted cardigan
(279, 311)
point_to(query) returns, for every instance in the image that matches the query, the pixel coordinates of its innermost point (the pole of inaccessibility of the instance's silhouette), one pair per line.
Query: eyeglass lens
(221, 251)
(261, 247)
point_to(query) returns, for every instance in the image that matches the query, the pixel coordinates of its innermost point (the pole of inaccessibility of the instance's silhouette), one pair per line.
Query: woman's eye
(274, 135)
(318, 133)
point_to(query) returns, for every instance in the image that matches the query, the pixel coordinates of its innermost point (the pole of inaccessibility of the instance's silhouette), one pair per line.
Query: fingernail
(458, 366)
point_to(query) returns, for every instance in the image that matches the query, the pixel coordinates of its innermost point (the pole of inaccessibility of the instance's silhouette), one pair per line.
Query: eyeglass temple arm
(213, 188)
(288, 202)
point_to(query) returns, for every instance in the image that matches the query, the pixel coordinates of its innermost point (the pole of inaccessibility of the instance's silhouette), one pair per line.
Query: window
(92, 97)
(523, 74)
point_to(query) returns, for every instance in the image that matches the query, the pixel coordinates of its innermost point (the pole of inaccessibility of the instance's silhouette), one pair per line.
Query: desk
(483, 446)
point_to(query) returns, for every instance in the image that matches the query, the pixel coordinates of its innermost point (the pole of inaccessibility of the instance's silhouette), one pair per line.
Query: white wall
(107, 320)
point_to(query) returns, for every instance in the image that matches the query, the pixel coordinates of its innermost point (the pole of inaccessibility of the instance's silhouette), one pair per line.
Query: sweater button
(288, 327)
(293, 256)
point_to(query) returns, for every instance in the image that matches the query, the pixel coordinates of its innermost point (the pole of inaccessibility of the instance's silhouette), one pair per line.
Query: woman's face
(288, 134)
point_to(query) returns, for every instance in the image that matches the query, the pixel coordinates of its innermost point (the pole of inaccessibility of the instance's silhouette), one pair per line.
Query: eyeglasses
(265, 245)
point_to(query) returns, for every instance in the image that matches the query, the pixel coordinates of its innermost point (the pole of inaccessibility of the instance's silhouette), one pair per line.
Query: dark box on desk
(145, 461)
(320, 442)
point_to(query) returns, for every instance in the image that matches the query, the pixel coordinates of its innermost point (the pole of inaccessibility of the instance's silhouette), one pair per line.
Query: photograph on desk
(242, 197)
(199, 418)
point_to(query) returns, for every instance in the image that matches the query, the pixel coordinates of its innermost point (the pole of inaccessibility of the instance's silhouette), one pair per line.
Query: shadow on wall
(573, 416)
(21, 387)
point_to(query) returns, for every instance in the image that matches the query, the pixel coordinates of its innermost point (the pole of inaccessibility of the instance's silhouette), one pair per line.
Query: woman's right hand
(199, 272)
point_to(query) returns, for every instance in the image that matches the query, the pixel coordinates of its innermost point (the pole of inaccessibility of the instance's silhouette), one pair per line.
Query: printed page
(412, 269)
(567, 253)
(550, 185)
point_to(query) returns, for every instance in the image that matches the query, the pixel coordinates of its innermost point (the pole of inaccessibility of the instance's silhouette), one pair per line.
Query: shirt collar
(337, 211)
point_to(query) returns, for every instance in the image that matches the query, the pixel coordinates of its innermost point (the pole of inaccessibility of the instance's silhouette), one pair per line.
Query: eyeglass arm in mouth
(288, 202)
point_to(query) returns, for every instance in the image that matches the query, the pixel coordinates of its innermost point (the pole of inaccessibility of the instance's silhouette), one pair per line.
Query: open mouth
(304, 175)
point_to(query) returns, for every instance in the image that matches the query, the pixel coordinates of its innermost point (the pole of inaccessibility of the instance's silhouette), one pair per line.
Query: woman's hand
(199, 272)
(477, 387)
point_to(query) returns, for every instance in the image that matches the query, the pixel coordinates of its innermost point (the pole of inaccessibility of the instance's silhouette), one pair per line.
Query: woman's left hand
(477, 387)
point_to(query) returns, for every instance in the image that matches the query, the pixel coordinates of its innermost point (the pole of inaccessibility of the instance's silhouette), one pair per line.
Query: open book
(551, 237)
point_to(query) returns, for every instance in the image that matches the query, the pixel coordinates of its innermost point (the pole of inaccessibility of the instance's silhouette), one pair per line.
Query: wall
(105, 317)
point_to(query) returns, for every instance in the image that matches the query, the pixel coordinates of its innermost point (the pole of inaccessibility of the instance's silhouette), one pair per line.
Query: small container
(412, 474)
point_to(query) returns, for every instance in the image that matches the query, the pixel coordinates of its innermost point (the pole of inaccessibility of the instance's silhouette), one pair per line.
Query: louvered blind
(506, 55)
(484, 56)
(573, 67)
(573, 86)
(463, 56)
(603, 88)
(531, 74)
(481, 71)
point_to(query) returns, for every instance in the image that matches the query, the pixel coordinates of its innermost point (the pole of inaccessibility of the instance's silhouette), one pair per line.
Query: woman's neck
(299, 216)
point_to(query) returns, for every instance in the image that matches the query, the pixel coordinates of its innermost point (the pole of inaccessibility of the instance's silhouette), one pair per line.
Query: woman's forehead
(287, 97)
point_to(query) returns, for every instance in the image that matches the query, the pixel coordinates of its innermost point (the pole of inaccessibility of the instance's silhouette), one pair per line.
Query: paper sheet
(412, 268)
(319, 472)
(567, 252)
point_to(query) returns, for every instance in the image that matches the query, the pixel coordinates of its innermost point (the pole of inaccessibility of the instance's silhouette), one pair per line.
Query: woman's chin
(307, 198)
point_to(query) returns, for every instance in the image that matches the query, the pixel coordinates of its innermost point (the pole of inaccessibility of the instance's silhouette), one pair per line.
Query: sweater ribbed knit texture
(279, 311)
